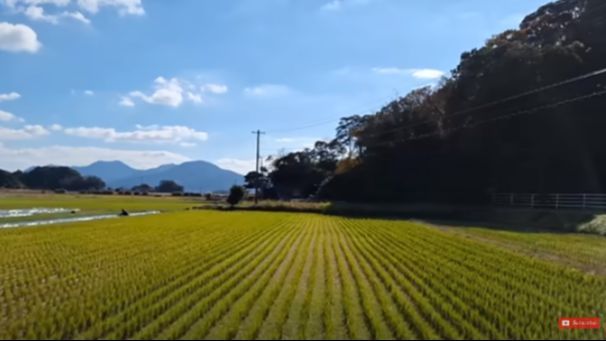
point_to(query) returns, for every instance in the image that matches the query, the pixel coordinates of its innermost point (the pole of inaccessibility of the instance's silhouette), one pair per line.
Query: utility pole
(259, 133)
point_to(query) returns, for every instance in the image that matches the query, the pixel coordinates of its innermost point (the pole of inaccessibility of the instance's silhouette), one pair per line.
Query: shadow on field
(511, 219)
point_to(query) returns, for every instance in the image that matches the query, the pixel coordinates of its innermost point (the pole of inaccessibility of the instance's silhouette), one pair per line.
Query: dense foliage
(472, 135)
(50, 177)
(10, 180)
(236, 194)
(169, 186)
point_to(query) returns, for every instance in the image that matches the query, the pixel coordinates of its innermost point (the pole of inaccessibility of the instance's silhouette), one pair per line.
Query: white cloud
(89, 92)
(338, 5)
(237, 165)
(124, 7)
(173, 92)
(15, 158)
(8, 117)
(18, 38)
(416, 73)
(267, 90)
(26, 133)
(427, 73)
(153, 133)
(52, 11)
(78, 16)
(167, 92)
(9, 97)
(331, 6)
(126, 102)
(195, 98)
(218, 89)
(37, 13)
(55, 127)
(389, 71)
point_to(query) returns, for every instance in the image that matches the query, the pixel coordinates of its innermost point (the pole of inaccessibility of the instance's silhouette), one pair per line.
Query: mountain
(194, 176)
(107, 170)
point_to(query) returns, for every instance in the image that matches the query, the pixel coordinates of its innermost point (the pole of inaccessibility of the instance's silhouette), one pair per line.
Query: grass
(284, 275)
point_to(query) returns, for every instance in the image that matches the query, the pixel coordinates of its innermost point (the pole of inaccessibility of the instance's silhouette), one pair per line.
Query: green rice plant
(280, 275)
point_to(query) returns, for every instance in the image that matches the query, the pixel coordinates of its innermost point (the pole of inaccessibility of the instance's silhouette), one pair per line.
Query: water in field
(28, 212)
(72, 219)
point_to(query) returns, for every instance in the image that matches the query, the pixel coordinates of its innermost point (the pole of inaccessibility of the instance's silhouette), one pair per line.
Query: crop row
(254, 275)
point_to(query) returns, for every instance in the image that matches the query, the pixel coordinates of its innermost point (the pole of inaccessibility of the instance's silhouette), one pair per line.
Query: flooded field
(28, 212)
(41, 222)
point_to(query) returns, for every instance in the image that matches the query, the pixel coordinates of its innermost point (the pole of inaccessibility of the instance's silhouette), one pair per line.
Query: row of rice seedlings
(397, 302)
(167, 307)
(441, 316)
(202, 316)
(292, 328)
(123, 288)
(486, 290)
(368, 294)
(69, 284)
(355, 319)
(263, 293)
(471, 324)
(167, 288)
(334, 311)
(236, 267)
(314, 328)
(530, 306)
(267, 317)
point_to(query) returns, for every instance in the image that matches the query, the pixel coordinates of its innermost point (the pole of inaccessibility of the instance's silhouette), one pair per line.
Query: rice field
(260, 275)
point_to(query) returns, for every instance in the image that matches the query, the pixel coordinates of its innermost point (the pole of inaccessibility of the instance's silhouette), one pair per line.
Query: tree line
(66, 178)
(513, 116)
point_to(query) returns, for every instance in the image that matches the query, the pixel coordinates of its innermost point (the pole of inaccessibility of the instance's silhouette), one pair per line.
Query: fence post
(584, 200)
(557, 204)
(532, 200)
(511, 199)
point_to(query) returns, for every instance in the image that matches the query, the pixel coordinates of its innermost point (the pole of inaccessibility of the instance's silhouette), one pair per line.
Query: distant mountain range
(194, 176)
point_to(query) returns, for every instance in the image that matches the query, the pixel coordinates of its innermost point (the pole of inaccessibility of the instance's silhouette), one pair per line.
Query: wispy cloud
(416, 73)
(53, 11)
(22, 158)
(338, 5)
(11, 96)
(154, 133)
(267, 90)
(6, 116)
(26, 133)
(173, 92)
(237, 165)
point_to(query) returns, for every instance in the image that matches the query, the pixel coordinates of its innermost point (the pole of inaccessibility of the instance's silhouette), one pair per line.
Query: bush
(236, 193)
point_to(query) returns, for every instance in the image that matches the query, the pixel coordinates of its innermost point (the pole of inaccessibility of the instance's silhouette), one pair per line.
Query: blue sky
(150, 82)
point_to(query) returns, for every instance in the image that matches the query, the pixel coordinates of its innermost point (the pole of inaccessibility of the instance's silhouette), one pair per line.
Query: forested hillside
(523, 113)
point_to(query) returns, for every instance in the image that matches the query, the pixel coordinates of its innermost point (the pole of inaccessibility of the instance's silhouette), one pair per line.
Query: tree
(9, 180)
(236, 193)
(52, 177)
(259, 180)
(449, 143)
(143, 188)
(169, 186)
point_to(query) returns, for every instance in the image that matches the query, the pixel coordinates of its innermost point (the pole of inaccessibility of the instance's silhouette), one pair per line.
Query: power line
(333, 120)
(499, 101)
(498, 118)
(482, 106)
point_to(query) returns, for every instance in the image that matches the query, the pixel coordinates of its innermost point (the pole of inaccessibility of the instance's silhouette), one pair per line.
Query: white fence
(551, 200)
